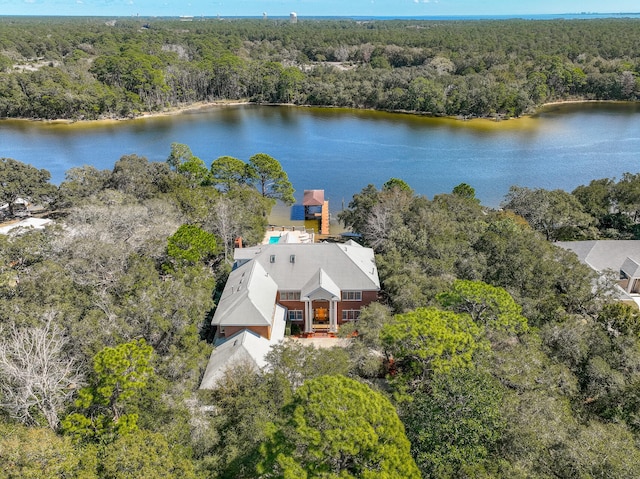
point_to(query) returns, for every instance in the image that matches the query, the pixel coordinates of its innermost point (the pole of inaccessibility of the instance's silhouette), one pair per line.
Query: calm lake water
(341, 151)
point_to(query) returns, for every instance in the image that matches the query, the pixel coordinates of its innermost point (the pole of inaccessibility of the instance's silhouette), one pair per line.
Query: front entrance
(321, 316)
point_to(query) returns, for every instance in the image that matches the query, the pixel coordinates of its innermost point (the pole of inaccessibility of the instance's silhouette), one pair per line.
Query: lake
(341, 151)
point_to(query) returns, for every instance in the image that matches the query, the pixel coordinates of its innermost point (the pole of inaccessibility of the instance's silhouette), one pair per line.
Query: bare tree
(37, 374)
(225, 223)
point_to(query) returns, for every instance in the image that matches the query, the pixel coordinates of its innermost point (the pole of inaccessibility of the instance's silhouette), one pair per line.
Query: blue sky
(310, 7)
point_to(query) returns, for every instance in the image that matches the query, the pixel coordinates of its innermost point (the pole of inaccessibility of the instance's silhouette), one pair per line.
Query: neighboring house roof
(602, 255)
(313, 198)
(244, 347)
(609, 255)
(248, 298)
(631, 268)
(349, 266)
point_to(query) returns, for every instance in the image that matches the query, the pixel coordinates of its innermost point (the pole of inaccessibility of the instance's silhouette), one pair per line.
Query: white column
(333, 315)
(308, 314)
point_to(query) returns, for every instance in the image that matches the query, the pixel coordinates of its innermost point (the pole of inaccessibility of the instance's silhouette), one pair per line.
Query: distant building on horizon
(293, 17)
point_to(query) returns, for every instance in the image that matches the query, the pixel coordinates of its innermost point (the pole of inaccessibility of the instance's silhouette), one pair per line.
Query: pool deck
(288, 234)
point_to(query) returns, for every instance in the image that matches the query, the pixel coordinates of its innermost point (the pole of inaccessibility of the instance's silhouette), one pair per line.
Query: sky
(279, 8)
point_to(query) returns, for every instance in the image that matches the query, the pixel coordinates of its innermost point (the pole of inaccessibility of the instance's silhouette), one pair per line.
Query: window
(272, 258)
(352, 296)
(350, 314)
(289, 295)
(295, 315)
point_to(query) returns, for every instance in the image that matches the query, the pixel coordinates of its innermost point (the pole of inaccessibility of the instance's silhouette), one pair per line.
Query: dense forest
(490, 354)
(90, 68)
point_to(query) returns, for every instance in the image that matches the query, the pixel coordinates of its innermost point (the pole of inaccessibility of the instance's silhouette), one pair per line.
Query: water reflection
(341, 151)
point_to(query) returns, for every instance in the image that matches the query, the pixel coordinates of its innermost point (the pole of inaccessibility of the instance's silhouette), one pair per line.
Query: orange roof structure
(313, 198)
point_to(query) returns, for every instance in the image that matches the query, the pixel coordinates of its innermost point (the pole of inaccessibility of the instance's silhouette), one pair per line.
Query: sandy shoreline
(223, 103)
(155, 114)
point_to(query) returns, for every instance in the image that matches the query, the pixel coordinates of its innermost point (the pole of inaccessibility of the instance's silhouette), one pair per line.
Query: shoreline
(178, 110)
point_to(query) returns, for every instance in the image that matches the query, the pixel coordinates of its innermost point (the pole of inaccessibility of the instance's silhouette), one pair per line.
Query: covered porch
(321, 297)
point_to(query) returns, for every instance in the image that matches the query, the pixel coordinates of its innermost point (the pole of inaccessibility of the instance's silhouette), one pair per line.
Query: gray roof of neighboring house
(631, 268)
(602, 255)
(347, 265)
(248, 298)
(244, 347)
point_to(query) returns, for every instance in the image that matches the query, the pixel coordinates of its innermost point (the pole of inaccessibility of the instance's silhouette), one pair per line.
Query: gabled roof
(292, 266)
(603, 255)
(631, 268)
(244, 347)
(313, 198)
(320, 286)
(248, 298)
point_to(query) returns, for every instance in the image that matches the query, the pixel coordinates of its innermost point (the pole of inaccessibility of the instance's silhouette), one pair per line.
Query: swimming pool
(274, 239)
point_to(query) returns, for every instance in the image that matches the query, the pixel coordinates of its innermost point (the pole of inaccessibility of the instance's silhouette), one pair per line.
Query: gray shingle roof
(292, 266)
(320, 286)
(631, 268)
(248, 298)
(603, 255)
(243, 348)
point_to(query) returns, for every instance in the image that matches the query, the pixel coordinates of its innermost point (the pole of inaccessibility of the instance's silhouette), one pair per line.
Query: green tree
(244, 402)
(19, 180)
(556, 214)
(429, 340)
(465, 191)
(107, 408)
(360, 206)
(596, 197)
(191, 244)
(182, 161)
(80, 184)
(272, 181)
(294, 362)
(366, 347)
(38, 453)
(454, 428)
(627, 194)
(397, 183)
(620, 318)
(136, 176)
(338, 428)
(490, 306)
(144, 454)
(229, 172)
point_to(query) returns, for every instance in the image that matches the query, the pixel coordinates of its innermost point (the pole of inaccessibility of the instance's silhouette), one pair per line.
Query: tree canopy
(338, 427)
(271, 180)
(21, 181)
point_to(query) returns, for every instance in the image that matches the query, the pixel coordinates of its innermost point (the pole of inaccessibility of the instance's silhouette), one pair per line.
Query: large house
(315, 286)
